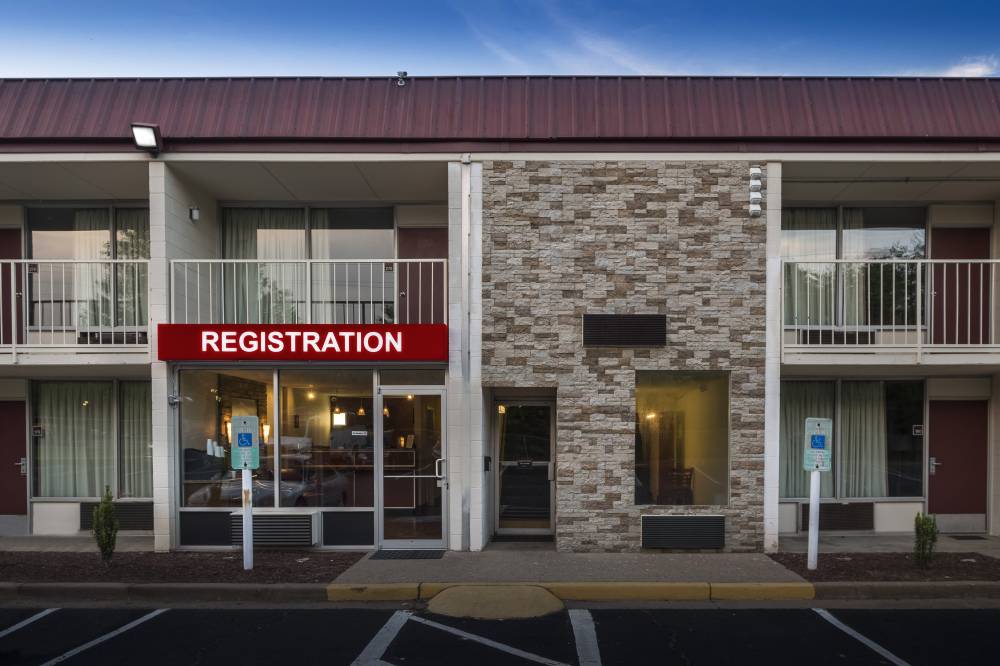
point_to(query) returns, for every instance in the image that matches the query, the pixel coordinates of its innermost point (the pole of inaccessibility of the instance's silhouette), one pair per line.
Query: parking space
(579, 637)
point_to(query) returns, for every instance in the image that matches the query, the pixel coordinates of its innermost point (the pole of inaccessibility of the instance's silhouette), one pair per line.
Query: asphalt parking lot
(579, 636)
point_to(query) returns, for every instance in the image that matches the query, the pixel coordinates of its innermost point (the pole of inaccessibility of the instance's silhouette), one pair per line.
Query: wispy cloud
(968, 67)
(973, 67)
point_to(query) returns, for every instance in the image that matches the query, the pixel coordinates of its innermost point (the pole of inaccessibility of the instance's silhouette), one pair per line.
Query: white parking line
(588, 652)
(882, 652)
(106, 637)
(372, 654)
(493, 644)
(24, 623)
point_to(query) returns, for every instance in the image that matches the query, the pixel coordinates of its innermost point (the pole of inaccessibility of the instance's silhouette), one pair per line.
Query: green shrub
(105, 526)
(925, 534)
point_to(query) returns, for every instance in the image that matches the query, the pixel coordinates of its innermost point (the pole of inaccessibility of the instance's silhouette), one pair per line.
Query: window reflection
(209, 401)
(327, 438)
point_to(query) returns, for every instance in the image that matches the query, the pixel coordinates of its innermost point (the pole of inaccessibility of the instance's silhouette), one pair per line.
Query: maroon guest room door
(13, 462)
(961, 291)
(10, 248)
(957, 464)
(422, 291)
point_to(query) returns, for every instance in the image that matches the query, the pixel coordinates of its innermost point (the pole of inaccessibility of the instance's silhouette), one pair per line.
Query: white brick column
(772, 363)
(164, 492)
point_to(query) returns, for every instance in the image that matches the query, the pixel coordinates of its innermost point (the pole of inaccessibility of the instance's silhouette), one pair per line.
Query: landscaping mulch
(880, 567)
(147, 567)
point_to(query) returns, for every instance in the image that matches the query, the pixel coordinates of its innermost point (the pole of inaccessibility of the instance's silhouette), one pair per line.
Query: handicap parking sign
(245, 454)
(817, 454)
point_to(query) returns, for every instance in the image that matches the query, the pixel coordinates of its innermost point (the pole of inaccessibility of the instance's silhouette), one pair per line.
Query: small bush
(925, 534)
(106, 526)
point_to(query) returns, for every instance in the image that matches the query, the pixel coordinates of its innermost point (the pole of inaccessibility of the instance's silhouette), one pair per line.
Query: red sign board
(302, 342)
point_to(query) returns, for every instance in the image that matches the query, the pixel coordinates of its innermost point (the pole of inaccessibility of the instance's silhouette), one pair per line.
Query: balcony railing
(73, 303)
(924, 305)
(317, 291)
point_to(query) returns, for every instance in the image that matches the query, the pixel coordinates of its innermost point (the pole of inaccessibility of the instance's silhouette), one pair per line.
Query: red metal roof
(502, 109)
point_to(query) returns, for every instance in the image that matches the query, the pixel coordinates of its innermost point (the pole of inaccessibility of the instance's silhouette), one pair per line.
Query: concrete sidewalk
(512, 566)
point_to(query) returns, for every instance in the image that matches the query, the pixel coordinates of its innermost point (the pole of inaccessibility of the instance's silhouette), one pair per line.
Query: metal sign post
(816, 457)
(245, 456)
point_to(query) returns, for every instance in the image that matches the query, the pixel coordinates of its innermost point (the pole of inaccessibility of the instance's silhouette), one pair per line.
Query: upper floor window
(88, 233)
(325, 233)
(870, 233)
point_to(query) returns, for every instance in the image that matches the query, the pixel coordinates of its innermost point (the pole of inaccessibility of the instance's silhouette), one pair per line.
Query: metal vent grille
(275, 530)
(833, 517)
(131, 515)
(637, 330)
(683, 532)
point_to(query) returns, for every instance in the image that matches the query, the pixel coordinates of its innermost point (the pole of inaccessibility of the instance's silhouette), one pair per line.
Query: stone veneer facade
(561, 238)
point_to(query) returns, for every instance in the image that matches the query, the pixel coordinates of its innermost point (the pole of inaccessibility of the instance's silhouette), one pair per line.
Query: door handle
(23, 464)
(933, 464)
(437, 468)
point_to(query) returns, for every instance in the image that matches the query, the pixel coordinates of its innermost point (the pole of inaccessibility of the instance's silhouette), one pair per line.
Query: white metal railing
(47, 303)
(301, 291)
(914, 303)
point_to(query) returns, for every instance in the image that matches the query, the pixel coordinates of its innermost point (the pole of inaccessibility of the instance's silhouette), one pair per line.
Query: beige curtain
(863, 440)
(799, 401)
(74, 455)
(264, 291)
(809, 234)
(136, 440)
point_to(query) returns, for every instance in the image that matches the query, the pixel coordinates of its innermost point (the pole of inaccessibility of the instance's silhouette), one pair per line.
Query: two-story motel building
(593, 308)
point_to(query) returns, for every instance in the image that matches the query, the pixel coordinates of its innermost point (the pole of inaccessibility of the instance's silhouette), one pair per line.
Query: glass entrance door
(525, 469)
(413, 470)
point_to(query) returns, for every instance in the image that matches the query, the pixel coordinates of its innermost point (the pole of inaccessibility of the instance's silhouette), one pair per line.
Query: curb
(909, 590)
(165, 591)
(564, 590)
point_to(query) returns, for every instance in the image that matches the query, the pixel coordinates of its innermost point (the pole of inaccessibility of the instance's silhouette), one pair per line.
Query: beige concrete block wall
(564, 238)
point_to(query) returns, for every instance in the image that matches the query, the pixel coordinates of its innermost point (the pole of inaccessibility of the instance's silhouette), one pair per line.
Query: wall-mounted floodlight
(147, 137)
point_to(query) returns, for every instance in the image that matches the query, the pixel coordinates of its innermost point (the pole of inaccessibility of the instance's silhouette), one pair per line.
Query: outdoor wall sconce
(756, 185)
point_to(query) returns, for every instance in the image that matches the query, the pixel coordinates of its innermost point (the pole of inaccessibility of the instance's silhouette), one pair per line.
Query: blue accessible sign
(245, 454)
(817, 453)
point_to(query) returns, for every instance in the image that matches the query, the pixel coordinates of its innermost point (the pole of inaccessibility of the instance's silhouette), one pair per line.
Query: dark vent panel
(275, 530)
(131, 515)
(684, 532)
(636, 330)
(833, 517)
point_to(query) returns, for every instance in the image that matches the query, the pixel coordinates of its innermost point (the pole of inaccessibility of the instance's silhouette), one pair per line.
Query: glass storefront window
(327, 438)
(209, 400)
(799, 401)
(412, 446)
(682, 438)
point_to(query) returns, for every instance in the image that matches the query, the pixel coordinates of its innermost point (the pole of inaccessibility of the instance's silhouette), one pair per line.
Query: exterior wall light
(194, 213)
(147, 137)
(756, 185)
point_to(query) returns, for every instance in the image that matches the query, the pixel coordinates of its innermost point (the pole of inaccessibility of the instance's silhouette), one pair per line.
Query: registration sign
(817, 452)
(246, 444)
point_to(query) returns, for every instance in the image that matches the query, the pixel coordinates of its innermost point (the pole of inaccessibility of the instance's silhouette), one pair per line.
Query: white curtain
(855, 279)
(91, 281)
(863, 440)
(809, 234)
(74, 456)
(132, 242)
(136, 436)
(799, 401)
(264, 291)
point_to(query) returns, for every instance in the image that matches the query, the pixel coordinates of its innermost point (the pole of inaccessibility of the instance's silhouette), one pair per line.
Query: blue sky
(40, 38)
